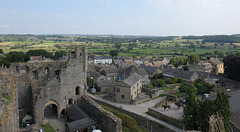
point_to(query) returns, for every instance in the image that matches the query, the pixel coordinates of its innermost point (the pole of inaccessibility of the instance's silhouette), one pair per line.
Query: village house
(97, 76)
(104, 86)
(125, 72)
(102, 60)
(217, 64)
(127, 90)
(150, 70)
(110, 72)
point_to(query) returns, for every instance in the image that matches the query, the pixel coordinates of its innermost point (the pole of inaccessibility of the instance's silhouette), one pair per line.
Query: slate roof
(90, 68)
(132, 69)
(80, 119)
(75, 112)
(216, 61)
(80, 124)
(131, 80)
(111, 70)
(185, 74)
(102, 57)
(138, 62)
(106, 83)
(95, 75)
(148, 69)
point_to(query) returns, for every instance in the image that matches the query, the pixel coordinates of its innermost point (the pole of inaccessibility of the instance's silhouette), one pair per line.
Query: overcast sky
(120, 17)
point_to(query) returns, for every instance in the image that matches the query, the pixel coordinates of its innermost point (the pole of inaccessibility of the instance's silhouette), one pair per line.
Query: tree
(174, 80)
(202, 86)
(90, 82)
(1, 51)
(232, 63)
(190, 111)
(59, 54)
(150, 86)
(197, 113)
(160, 82)
(184, 87)
(223, 107)
(215, 52)
(193, 58)
(5, 63)
(113, 53)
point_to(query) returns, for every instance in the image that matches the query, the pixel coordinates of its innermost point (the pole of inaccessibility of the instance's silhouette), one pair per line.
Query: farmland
(127, 45)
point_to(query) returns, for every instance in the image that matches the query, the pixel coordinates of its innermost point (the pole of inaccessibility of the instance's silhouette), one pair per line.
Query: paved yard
(54, 122)
(173, 112)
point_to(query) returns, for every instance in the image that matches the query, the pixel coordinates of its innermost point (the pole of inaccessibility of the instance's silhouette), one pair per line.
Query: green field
(100, 46)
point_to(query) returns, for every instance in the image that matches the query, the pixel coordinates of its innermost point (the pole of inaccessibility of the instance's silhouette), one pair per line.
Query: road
(139, 109)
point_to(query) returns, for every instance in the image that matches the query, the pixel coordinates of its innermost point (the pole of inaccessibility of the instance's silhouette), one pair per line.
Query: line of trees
(24, 57)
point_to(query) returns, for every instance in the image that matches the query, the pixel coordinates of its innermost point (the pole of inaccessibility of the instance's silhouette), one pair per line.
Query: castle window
(35, 74)
(58, 72)
(122, 96)
(118, 89)
(77, 90)
(47, 71)
(70, 101)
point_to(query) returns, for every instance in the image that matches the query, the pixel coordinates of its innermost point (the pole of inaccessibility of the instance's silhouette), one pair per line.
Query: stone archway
(51, 109)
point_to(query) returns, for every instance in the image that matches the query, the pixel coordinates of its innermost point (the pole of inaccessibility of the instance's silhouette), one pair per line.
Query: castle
(55, 83)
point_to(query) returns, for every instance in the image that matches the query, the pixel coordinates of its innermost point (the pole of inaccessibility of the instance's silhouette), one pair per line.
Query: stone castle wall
(8, 101)
(146, 123)
(51, 82)
(107, 121)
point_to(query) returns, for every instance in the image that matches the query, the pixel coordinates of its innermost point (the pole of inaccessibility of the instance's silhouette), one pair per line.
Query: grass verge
(129, 124)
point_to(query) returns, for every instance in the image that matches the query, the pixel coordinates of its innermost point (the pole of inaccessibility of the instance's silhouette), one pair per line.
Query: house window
(122, 96)
(118, 89)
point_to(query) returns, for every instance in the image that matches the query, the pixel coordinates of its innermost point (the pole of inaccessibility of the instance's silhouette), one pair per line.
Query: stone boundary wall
(170, 120)
(108, 122)
(136, 101)
(159, 103)
(150, 125)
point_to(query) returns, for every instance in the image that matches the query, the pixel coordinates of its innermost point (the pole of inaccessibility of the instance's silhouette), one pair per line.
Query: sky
(120, 17)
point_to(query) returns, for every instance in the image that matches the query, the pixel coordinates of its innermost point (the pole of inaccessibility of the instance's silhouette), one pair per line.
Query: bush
(174, 80)
(183, 87)
(180, 80)
(167, 80)
(150, 86)
(160, 82)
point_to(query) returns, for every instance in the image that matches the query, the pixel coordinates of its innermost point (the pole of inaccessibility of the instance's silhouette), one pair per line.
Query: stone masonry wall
(150, 125)
(170, 120)
(107, 121)
(8, 101)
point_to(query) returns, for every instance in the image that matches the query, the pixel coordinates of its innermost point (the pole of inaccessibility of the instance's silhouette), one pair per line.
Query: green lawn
(48, 128)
